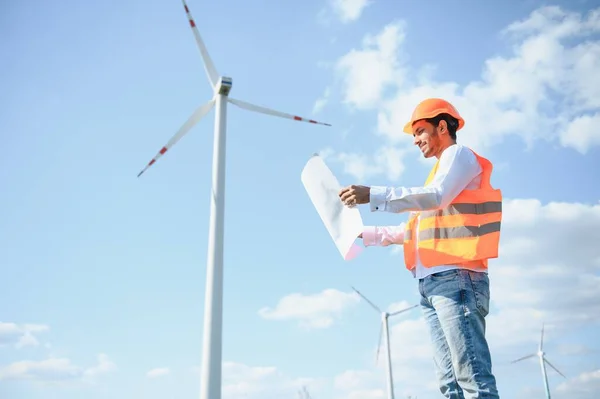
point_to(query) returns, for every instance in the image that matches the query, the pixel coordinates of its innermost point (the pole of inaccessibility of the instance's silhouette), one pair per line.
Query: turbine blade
(209, 67)
(192, 120)
(402, 311)
(379, 342)
(555, 369)
(523, 358)
(366, 299)
(263, 110)
(542, 338)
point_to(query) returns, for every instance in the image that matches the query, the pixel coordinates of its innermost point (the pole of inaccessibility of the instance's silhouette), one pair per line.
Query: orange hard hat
(431, 108)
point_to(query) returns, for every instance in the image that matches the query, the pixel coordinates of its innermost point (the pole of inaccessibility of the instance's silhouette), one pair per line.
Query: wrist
(377, 198)
(369, 235)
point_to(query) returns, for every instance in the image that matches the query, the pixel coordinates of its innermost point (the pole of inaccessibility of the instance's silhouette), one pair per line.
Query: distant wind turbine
(543, 361)
(303, 393)
(210, 382)
(385, 328)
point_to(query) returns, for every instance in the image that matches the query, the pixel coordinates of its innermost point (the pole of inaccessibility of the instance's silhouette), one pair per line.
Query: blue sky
(103, 273)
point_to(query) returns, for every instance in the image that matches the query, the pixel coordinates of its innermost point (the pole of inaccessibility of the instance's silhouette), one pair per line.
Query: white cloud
(584, 386)
(411, 355)
(366, 72)
(158, 372)
(582, 133)
(387, 160)
(348, 10)
(546, 89)
(311, 311)
(572, 349)
(550, 239)
(248, 382)
(20, 335)
(27, 339)
(55, 370)
(50, 369)
(104, 366)
(360, 384)
(411, 364)
(321, 101)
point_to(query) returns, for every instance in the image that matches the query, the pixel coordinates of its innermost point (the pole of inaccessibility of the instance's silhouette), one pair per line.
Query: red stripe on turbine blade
(192, 23)
(163, 150)
(151, 162)
(187, 9)
(311, 121)
(297, 118)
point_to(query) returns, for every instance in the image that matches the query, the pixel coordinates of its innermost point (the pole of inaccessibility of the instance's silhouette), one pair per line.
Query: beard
(429, 148)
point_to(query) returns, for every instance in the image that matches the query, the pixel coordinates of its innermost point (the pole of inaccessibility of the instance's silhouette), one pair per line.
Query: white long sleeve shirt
(458, 169)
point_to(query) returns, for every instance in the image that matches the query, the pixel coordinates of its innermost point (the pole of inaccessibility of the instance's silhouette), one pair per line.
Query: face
(429, 138)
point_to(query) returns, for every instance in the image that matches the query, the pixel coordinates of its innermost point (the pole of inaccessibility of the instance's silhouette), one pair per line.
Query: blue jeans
(455, 303)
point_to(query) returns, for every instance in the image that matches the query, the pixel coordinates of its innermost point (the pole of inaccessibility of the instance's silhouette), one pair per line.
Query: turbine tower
(385, 328)
(543, 361)
(210, 380)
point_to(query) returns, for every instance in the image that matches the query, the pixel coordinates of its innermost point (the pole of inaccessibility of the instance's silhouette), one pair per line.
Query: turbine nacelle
(223, 86)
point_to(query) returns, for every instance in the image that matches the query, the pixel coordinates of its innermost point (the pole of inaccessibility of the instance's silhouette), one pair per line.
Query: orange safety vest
(464, 233)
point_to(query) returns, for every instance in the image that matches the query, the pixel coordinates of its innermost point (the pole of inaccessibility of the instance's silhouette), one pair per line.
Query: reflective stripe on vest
(466, 232)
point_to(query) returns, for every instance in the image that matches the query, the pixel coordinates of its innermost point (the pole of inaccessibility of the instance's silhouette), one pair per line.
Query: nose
(416, 140)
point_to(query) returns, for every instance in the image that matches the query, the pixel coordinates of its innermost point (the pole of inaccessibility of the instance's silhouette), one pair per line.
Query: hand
(354, 195)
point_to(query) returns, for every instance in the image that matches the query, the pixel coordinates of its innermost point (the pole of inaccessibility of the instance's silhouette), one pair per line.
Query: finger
(346, 195)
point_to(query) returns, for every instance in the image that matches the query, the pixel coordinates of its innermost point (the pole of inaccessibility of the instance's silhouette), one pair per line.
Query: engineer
(452, 230)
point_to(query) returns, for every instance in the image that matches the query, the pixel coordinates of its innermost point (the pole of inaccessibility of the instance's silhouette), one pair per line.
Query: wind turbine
(543, 361)
(385, 327)
(213, 307)
(303, 393)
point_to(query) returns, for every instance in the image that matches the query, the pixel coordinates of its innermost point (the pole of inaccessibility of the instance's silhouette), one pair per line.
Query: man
(452, 231)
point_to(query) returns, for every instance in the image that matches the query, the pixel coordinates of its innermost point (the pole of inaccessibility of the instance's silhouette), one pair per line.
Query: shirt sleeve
(383, 236)
(457, 168)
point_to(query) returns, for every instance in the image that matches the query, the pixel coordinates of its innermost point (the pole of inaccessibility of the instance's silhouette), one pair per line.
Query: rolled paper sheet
(344, 224)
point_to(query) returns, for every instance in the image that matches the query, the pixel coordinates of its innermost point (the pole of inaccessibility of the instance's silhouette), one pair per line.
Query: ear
(442, 127)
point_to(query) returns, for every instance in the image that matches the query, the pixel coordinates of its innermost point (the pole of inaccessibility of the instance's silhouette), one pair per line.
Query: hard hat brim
(408, 127)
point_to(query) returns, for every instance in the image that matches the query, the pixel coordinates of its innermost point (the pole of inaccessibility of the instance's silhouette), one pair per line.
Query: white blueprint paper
(344, 224)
